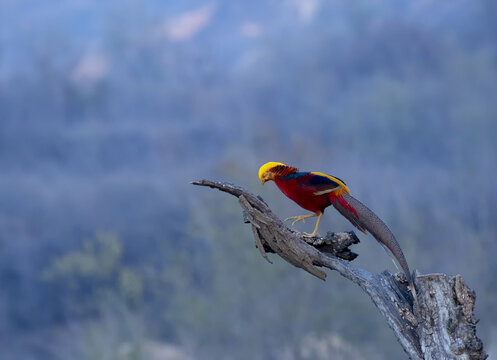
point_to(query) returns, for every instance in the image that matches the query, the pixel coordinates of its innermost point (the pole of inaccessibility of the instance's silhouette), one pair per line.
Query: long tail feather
(367, 221)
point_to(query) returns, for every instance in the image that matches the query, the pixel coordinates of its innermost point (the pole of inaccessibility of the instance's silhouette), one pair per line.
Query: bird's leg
(300, 218)
(315, 232)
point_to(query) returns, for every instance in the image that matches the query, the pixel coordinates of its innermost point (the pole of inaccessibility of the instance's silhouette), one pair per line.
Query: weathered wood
(446, 326)
(440, 326)
(336, 244)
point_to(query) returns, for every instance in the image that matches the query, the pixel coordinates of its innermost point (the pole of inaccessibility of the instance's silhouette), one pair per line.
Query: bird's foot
(296, 219)
(314, 234)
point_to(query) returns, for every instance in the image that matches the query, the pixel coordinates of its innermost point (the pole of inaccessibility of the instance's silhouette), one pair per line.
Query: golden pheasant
(315, 191)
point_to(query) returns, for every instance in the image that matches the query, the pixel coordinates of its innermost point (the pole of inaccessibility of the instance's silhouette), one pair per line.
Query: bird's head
(269, 170)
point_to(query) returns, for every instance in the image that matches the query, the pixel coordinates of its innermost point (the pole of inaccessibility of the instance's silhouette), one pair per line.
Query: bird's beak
(263, 181)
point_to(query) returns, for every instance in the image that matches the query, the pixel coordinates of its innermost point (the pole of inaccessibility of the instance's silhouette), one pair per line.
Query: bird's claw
(296, 219)
(306, 235)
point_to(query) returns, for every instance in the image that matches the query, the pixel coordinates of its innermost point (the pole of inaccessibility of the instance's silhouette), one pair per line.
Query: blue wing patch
(295, 175)
(322, 180)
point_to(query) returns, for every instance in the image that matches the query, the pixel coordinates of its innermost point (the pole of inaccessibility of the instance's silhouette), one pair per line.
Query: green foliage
(98, 259)
(95, 274)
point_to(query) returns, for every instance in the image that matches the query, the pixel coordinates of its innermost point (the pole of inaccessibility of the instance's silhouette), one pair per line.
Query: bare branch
(441, 326)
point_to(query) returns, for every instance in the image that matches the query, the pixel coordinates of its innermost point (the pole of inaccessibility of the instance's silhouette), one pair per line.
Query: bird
(315, 191)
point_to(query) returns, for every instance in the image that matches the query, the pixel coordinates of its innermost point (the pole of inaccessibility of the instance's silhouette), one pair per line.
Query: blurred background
(108, 109)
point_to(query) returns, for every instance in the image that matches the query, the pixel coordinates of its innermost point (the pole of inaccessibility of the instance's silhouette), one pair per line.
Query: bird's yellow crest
(266, 167)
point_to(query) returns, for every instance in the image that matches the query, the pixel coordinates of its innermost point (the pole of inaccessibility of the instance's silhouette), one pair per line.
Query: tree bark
(440, 326)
